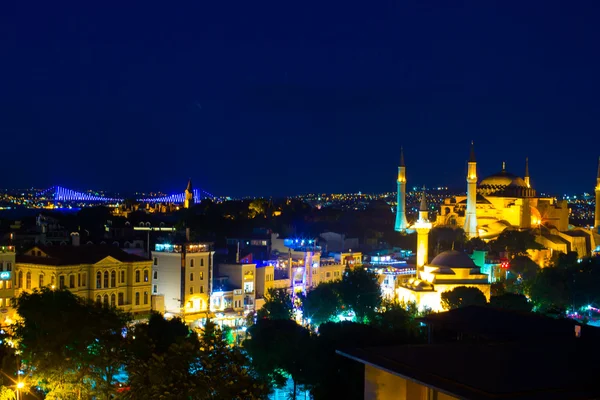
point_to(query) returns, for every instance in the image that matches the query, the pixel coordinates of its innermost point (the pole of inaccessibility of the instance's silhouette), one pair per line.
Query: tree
(322, 303)
(511, 301)
(516, 242)
(463, 296)
(360, 292)
(163, 361)
(278, 305)
(524, 266)
(227, 370)
(280, 348)
(549, 290)
(84, 353)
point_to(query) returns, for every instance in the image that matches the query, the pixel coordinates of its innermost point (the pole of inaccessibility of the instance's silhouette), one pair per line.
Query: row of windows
(270, 277)
(112, 281)
(5, 302)
(81, 280)
(8, 284)
(201, 289)
(201, 274)
(112, 302)
(8, 266)
(192, 263)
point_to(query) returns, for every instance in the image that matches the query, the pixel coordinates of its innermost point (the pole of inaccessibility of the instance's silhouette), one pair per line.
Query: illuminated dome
(502, 178)
(453, 259)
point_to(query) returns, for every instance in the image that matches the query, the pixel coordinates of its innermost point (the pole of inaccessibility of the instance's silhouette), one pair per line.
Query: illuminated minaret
(401, 196)
(422, 226)
(597, 213)
(189, 195)
(527, 172)
(471, 214)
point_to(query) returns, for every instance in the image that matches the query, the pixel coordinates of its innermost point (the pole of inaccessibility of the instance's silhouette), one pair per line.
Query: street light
(20, 385)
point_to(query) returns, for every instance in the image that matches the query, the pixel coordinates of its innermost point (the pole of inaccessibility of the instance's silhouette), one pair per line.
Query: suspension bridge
(61, 194)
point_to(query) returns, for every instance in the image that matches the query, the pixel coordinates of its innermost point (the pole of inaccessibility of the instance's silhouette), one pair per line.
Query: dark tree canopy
(515, 242)
(511, 301)
(278, 305)
(359, 290)
(322, 303)
(463, 296)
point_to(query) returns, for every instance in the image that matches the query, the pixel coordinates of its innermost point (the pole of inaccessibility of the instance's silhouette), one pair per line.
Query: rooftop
(75, 255)
(517, 371)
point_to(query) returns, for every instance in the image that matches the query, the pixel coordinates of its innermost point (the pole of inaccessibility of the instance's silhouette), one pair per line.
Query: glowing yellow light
(20, 385)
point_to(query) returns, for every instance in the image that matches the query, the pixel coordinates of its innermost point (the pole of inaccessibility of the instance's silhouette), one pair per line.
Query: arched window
(41, 281)
(113, 279)
(145, 297)
(137, 276)
(146, 275)
(72, 281)
(20, 280)
(155, 275)
(192, 262)
(28, 280)
(98, 299)
(137, 298)
(98, 280)
(105, 279)
(113, 300)
(106, 300)
(191, 277)
(155, 261)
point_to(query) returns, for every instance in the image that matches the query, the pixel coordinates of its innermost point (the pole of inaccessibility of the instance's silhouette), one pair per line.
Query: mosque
(500, 201)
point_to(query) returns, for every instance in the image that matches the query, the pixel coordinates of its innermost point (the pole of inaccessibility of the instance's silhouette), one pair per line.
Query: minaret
(422, 226)
(471, 214)
(527, 172)
(597, 213)
(401, 196)
(189, 195)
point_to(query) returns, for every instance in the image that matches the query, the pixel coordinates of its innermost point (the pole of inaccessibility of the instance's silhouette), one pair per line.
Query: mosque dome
(453, 259)
(502, 178)
(505, 184)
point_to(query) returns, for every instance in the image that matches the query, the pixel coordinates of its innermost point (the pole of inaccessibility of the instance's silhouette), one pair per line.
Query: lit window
(146, 273)
(192, 289)
(137, 276)
(137, 298)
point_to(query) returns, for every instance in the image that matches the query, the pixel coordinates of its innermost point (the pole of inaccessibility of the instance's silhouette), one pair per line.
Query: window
(105, 300)
(98, 280)
(201, 275)
(61, 281)
(137, 276)
(52, 281)
(72, 281)
(28, 280)
(202, 262)
(192, 262)
(98, 299)
(112, 300)
(146, 273)
(1, 284)
(1, 266)
(155, 289)
(9, 266)
(155, 275)
(84, 279)
(328, 274)
(155, 261)
(120, 299)
(122, 276)
(1, 302)
(191, 290)
(137, 298)
(145, 297)
(8, 284)
(20, 280)
(113, 279)
(105, 279)
(191, 277)
(78, 279)
(201, 289)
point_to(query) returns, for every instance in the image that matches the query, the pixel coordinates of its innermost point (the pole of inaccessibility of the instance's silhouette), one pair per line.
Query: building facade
(7, 289)
(103, 274)
(182, 273)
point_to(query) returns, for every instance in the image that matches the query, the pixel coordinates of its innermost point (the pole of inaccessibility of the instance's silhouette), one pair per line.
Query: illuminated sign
(5, 276)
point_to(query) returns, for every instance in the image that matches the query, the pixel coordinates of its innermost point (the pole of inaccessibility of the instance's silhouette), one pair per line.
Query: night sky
(290, 97)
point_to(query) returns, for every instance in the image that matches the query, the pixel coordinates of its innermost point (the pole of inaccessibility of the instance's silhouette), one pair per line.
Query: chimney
(75, 239)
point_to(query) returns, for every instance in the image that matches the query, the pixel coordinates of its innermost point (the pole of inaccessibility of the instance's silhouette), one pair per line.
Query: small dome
(518, 182)
(453, 259)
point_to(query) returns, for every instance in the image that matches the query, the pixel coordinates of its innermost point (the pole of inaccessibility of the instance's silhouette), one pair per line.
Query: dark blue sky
(268, 98)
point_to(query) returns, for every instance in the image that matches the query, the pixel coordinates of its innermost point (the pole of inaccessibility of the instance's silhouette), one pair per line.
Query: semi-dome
(453, 259)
